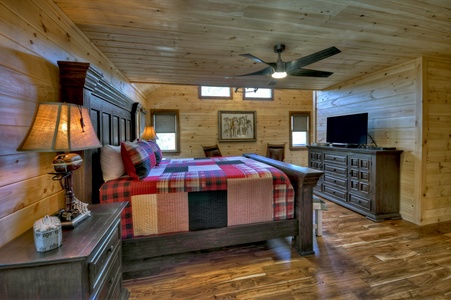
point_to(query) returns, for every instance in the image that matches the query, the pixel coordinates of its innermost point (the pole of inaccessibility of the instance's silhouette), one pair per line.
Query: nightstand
(88, 264)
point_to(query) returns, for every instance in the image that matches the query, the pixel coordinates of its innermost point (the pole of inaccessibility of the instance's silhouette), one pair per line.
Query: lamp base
(72, 221)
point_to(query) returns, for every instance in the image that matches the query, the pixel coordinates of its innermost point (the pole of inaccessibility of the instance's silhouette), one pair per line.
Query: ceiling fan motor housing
(279, 48)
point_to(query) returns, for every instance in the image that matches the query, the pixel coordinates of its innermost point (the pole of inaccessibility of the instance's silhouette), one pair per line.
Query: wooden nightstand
(88, 265)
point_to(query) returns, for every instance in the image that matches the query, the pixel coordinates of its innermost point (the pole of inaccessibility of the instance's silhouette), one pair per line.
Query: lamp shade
(60, 127)
(149, 134)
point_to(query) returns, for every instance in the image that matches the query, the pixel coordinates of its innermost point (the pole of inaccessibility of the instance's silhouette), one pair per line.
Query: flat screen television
(347, 130)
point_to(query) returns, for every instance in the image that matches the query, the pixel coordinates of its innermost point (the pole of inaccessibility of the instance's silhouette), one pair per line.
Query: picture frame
(237, 126)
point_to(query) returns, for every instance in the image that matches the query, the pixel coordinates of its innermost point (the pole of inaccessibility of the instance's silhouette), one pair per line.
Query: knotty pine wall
(409, 107)
(436, 146)
(34, 35)
(199, 119)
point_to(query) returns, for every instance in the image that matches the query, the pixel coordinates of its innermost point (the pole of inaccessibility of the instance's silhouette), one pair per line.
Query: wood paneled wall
(436, 175)
(199, 119)
(34, 35)
(409, 108)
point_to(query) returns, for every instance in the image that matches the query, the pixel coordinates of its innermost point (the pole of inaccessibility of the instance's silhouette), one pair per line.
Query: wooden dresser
(363, 180)
(86, 266)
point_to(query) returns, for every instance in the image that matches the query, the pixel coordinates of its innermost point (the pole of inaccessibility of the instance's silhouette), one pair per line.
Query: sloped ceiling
(199, 41)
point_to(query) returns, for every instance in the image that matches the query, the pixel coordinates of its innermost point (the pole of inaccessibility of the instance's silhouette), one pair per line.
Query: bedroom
(36, 34)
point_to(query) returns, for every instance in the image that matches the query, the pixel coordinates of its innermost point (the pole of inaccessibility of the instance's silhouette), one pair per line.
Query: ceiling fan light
(279, 75)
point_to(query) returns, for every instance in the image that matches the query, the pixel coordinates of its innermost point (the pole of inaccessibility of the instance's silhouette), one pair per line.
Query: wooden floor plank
(354, 259)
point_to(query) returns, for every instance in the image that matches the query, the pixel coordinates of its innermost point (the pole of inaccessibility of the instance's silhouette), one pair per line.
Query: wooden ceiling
(199, 41)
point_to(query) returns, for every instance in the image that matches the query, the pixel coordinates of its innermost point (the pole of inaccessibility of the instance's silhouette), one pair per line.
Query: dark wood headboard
(115, 117)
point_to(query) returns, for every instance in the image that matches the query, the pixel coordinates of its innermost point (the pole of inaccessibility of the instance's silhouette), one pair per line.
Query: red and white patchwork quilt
(201, 193)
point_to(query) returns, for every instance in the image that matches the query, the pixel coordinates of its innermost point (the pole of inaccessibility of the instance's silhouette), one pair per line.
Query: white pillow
(111, 162)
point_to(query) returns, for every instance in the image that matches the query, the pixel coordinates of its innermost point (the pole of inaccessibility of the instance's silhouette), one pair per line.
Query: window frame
(202, 96)
(290, 127)
(270, 98)
(174, 112)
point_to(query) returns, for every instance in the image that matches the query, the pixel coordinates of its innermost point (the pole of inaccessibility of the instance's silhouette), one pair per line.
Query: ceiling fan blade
(255, 58)
(310, 59)
(266, 71)
(272, 82)
(310, 73)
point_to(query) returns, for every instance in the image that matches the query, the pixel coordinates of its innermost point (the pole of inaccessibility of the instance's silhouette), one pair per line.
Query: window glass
(215, 92)
(166, 124)
(257, 94)
(299, 130)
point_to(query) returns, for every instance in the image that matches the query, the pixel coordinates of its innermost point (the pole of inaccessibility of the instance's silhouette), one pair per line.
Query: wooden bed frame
(116, 119)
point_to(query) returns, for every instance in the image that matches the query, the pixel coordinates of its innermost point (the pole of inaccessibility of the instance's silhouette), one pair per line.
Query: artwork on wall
(237, 126)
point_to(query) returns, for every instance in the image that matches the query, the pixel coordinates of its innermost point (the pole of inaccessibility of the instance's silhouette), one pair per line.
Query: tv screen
(347, 129)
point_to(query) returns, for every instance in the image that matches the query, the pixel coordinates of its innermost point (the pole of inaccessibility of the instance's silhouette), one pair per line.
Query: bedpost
(303, 180)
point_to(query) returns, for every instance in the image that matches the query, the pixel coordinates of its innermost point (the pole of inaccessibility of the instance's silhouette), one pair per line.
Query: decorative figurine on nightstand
(75, 211)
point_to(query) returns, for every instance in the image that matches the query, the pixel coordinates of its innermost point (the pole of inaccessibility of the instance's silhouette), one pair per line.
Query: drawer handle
(111, 249)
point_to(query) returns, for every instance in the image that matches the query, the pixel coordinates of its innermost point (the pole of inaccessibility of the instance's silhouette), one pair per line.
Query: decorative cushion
(138, 159)
(156, 149)
(111, 162)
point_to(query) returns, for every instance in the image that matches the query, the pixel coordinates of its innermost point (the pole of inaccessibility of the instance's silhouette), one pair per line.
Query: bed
(118, 119)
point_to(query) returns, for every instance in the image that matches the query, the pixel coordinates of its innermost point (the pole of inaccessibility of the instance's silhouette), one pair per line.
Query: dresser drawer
(112, 284)
(336, 158)
(360, 202)
(359, 175)
(342, 182)
(360, 186)
(340, 194)
(337, 170)
(316, 155)
(361, 162)
(103, 257)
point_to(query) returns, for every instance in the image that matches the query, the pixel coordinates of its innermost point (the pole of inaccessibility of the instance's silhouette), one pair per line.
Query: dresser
(366, 181)
(87, 265)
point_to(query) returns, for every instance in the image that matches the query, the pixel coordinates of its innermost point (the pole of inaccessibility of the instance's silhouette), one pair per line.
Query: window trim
(201, 96)
(309, 130)
(175, 112)
(271, 98)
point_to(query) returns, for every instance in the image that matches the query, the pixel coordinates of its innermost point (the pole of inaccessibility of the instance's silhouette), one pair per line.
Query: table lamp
(149, 134)
(63, 127)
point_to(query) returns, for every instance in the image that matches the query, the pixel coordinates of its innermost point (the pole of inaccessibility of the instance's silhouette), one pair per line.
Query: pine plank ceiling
(200, 41)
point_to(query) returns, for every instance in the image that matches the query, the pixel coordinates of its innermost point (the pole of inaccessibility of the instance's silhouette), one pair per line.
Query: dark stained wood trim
(303, 180)
(83, 85)
(140, 255)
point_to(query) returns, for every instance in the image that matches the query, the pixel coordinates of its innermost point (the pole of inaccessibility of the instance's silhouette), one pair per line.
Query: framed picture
(237, 126)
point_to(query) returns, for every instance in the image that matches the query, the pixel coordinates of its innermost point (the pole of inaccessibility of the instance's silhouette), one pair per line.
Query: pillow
(111, 162)
(156, 149)
(138, 159)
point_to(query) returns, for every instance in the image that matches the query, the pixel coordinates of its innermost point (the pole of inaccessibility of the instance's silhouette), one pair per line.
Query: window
(166, 124)
(215, 92)
(299, 130)
(257, 94)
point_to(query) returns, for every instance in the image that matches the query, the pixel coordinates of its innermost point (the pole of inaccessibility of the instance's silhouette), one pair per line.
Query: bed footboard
(145, 256)
(303, 180)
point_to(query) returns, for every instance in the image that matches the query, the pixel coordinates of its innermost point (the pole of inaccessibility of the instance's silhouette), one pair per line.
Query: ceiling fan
(281, 69)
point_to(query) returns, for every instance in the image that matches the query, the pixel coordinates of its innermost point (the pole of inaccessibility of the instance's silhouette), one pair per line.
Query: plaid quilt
(195, 194)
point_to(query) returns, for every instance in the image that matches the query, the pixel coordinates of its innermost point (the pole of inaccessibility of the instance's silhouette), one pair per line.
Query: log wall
(34, 35)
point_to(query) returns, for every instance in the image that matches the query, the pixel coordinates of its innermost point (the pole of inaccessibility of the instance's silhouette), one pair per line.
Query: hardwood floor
(354, 259)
